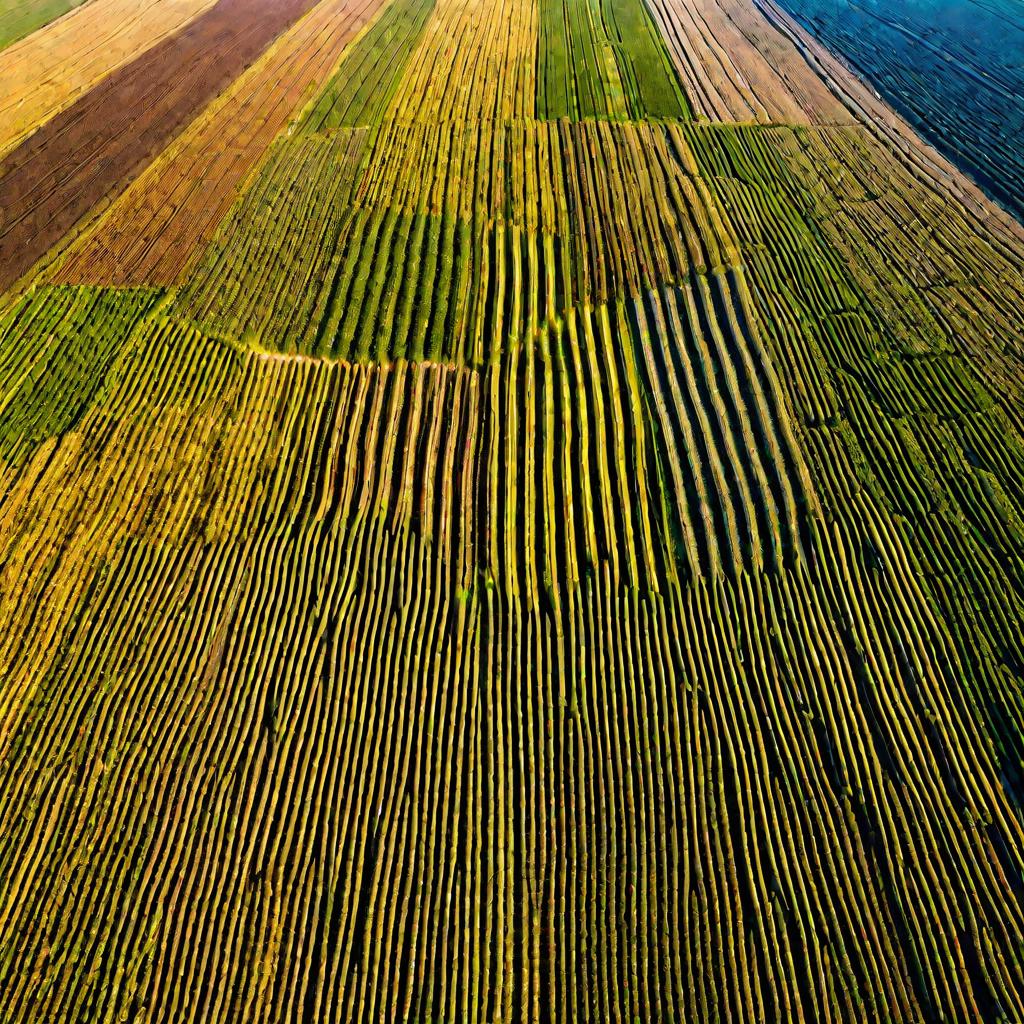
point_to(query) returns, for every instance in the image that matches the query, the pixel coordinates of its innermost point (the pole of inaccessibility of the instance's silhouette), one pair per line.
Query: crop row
(106, 138)
(957, 89)
(55, 351)
(156, 229)
(599, 59)
(620, 435)
(528, 570)
(288, 758)
(496, 232)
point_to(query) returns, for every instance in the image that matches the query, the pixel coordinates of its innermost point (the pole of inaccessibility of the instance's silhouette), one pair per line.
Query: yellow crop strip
(43, 73)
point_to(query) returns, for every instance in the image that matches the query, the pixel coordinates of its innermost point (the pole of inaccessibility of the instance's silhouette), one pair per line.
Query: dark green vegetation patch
(368, 75)
(600, 58)
(56, 347)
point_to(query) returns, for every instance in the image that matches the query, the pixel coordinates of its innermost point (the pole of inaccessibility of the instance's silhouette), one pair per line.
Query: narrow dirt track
(100, 143)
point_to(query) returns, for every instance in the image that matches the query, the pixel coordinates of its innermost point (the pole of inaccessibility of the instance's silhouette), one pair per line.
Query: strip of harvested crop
(19, 18)
(97, 146)
(45, 72)
(155, 229)
(735, 66)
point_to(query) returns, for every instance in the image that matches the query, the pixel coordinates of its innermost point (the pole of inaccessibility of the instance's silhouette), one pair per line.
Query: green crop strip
(599, 59)
(360, 90)
(19, 18)
(56, 346)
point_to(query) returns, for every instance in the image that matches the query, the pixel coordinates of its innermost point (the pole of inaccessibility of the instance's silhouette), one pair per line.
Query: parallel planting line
(47, 71)
(159, 226)
(99, 144)
(512, 569)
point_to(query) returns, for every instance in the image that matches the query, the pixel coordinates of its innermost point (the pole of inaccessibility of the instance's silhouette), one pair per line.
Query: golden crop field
(509, 511)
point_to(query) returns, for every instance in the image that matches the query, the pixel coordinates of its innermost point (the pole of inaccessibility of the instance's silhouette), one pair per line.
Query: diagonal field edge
(99, 144)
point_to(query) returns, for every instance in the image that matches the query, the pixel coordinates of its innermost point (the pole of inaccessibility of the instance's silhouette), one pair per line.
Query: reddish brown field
(162, 221)
(50, 69)
(97, 146)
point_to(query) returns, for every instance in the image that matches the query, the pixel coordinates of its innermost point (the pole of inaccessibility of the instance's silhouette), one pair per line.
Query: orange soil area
(154, 231)
(43, 73)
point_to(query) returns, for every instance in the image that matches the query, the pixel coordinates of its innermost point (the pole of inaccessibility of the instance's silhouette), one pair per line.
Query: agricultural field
(19, 18)
(955, 71)
(509, 511)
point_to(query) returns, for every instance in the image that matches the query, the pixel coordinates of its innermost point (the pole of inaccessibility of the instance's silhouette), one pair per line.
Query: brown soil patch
(98, 144)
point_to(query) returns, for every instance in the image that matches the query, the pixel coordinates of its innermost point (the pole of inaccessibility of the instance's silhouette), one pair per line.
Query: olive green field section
(901, 342)
(56, 346)
(19, 18)
(276, 704)
(364, 83)
(604, 58)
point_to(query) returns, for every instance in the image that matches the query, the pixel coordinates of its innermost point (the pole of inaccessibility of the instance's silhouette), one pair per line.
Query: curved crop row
(498, 232)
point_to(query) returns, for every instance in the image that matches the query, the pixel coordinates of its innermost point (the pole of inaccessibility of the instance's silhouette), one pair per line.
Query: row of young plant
(448, 243)
(309, 770)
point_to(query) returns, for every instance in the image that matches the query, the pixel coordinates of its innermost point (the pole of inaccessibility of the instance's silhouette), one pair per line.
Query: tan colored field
(43, 73)
(152, 232)
(737, 67)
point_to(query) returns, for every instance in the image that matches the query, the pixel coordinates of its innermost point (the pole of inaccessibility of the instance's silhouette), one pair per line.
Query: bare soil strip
(97, 145)
(49, 70)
